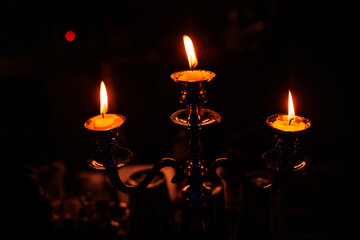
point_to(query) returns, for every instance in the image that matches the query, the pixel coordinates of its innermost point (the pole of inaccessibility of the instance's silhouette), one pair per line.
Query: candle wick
(192, 67)
(291, 119)
(103, 116)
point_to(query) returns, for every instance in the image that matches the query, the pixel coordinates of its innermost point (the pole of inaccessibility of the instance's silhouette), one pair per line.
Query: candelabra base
(275, 160)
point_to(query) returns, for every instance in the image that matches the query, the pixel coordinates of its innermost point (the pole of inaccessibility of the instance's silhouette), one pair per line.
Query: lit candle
(104, 121)
(192, 75)
(289, 122)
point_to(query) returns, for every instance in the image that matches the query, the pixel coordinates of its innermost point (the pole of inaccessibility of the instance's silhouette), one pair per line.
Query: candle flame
(190, 51)
(291, 111)
(103, 99)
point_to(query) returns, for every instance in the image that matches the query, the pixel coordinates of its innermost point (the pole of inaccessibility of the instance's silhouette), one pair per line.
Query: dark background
(259, 50)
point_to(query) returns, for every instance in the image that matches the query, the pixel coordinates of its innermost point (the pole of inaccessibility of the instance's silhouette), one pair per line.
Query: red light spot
(70, 36)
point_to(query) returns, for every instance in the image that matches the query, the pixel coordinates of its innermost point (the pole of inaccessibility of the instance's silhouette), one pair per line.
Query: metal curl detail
(112, 173)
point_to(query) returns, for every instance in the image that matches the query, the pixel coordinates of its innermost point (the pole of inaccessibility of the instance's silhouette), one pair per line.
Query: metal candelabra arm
(262, 181)
(219, 162)
(116, 181)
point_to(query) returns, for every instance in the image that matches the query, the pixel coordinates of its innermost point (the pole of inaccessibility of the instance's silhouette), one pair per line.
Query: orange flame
(291, 110)
(190, 51)
(103, 99)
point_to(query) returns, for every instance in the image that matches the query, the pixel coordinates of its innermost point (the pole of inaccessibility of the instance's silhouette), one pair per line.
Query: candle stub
(193, 76)
(282, 122)
(108, 122)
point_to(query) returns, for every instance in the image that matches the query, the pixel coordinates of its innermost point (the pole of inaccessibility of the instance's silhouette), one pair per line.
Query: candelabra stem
(194, 226)
(195, 169)
(195, 193)
(287, 147)
(194, 117)
(195, 146)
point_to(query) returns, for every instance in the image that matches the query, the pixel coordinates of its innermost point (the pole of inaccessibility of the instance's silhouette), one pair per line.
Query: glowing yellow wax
(104, 122)
(110, 121)
(281, 122)
(284, 126)
(193, 76)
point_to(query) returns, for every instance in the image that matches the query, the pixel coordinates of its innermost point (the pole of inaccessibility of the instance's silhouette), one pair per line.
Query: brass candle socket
(193, 95)
(286, 155)
(108, 151)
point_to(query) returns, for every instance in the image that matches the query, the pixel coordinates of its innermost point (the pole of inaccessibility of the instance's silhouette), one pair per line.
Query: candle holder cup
(193, 95)
(109, 152)
(286, 155)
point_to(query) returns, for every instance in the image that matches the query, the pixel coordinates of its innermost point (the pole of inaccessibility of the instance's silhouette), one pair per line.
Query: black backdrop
(258, 49)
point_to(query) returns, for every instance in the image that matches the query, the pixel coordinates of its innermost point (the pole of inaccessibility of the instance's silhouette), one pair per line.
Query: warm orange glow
(291, 111)
(103, 99)
(190, 51)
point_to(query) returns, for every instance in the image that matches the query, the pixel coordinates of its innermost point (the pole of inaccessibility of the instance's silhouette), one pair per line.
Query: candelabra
(110, 155)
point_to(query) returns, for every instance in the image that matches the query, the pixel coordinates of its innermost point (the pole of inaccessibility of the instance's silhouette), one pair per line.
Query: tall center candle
(192, 75)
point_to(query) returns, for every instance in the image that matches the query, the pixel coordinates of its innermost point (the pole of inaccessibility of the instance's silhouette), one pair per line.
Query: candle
(283, 123)
(104, 121)
(289, 122)
(110, 121)
(192, 75)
